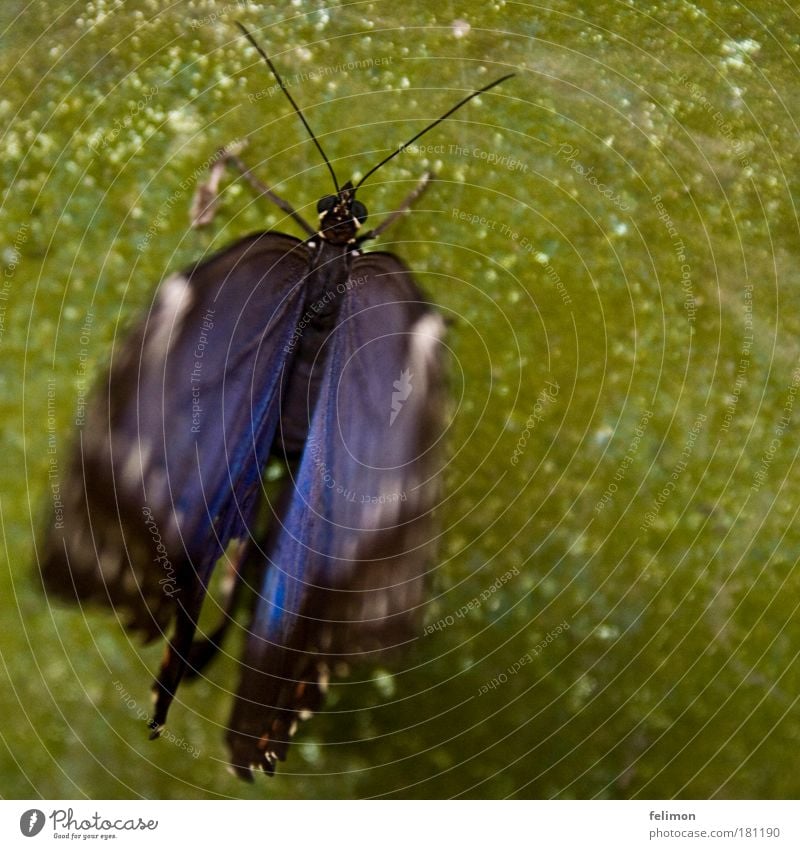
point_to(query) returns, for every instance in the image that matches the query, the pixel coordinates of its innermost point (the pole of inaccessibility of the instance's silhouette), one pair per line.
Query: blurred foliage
(633, 239)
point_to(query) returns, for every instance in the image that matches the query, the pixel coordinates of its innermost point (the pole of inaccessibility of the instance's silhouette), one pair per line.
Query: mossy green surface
(614, 233)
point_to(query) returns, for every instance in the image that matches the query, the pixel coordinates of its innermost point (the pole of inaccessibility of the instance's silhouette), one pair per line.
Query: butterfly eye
(359, 211)
(326, 204)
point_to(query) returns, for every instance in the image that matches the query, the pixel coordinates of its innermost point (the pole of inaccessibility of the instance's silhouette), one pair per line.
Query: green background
(635, 241)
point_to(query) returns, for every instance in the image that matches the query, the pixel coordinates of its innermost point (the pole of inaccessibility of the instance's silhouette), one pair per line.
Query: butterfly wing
(166, 471)
(347, 556)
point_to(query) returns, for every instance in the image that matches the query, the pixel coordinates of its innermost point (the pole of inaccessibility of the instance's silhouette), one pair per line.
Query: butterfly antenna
(431, 126)
(291, 100)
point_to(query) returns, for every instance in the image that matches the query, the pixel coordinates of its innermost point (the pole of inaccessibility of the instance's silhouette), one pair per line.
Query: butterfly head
(341, 216)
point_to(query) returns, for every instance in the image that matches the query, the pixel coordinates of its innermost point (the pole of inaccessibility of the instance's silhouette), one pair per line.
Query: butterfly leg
(174, 663)
(204, 204)
(409, 201)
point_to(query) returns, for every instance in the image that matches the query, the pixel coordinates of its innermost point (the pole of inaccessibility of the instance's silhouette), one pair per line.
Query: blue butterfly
(309, 350)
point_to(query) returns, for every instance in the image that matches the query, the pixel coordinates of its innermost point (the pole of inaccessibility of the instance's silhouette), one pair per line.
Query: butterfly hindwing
(348, 553)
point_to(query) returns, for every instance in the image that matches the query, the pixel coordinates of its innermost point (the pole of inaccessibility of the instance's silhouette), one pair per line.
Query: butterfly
(311, 351)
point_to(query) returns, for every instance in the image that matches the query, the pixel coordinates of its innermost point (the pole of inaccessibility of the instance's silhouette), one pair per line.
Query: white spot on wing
(134, 469)
(174, 297)
(174, 302)
(426, 337)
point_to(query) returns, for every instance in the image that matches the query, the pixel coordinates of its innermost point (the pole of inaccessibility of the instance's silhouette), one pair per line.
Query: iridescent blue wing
(347, 557)
(167, 469)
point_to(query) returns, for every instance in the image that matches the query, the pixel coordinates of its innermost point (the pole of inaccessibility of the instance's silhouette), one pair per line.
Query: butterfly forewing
(167, 469)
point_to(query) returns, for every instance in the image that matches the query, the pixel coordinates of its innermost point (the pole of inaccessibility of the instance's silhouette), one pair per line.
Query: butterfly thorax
(326, 281)
(326, 284)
